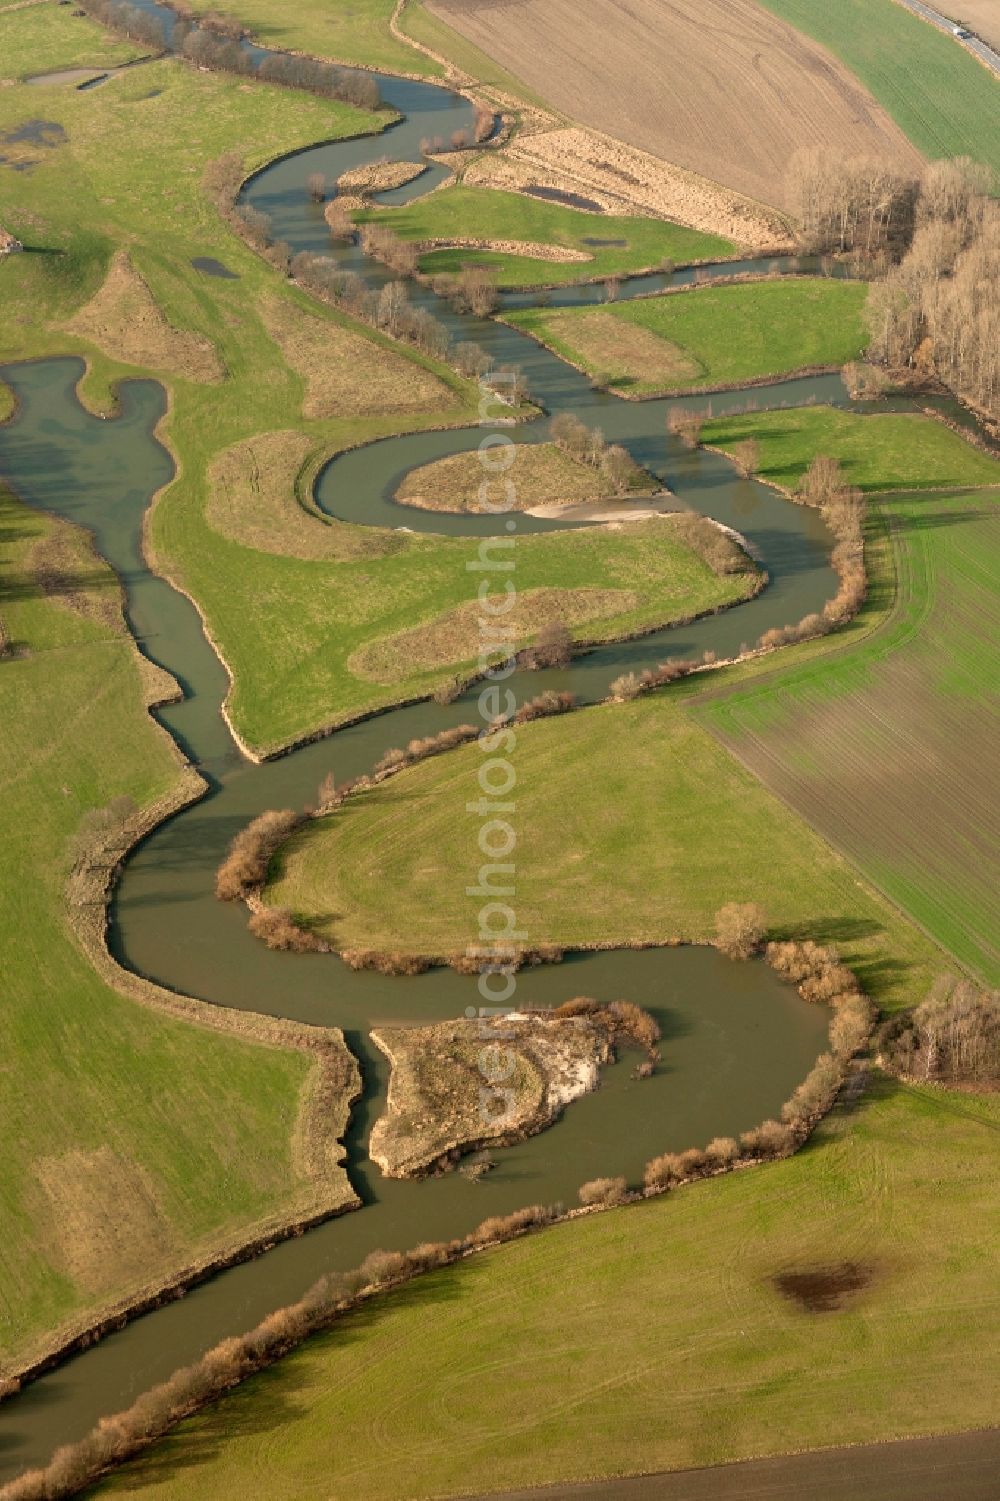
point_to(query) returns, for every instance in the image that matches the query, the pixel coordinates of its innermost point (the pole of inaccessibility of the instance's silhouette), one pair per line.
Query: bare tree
(740, 929)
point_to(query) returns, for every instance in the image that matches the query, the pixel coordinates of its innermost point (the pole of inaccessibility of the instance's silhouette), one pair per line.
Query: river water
(736, 1039)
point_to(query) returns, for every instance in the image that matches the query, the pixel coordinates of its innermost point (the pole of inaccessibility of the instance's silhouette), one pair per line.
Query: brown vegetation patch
(70, 572)
(106, 1225)
(379, 177)
(536, 250)
(624, 180)
(125, 321)
(446, 1095)
(253, 499)
(347, 374)
(621, 351)
(721, 87)
(456, 636)
(545, 474)
(982, 17)
(824, 1289)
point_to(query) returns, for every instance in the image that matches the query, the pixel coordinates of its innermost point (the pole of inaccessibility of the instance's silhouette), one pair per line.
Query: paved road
(973, 44)
(956, 1467)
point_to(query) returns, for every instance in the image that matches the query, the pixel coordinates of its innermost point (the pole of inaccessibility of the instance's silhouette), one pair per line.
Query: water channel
(736, 1039)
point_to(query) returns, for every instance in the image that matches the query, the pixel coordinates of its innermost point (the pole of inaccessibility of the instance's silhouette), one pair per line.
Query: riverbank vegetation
(667, 1383)
(859, 736)
(465, 216)
(545, 474)
(709, 337)
(136, 1144)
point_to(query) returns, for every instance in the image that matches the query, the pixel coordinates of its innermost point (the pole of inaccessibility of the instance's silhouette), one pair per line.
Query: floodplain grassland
(672, 827)
(357, 32)
(941, 96)
(877, 451)
(134, 1143)
(651, 1337)
(708, 337)
(466, 214)
(887, 749)
(327, 590)
(335, 652)
(46, 38)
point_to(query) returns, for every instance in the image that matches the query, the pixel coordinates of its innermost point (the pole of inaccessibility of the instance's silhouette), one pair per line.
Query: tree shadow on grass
(273, 1398)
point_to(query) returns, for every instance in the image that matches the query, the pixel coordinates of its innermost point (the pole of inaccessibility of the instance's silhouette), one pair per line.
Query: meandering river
(735, 1039)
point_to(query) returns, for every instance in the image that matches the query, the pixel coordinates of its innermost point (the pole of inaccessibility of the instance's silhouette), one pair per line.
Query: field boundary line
(900, 596)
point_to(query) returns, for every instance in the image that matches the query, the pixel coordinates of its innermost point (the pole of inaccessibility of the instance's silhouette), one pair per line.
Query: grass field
(728, 62)
(939, 94)
(486, 214)
(857, 740)
(306, 658)
(650, 1337)
(670, 828)
(349, 31)
(44, 38)
(884, 451)
(714, 336)
(132, 1142)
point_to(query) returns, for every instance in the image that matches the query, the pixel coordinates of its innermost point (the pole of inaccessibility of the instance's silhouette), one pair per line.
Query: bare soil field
(856, 741)
(435, 1106)
(720, 87)
(981, 16)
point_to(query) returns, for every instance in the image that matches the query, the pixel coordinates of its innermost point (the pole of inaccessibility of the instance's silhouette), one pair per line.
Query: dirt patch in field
(621, 180)
(534, 249)
(721, 87)
(71, 573)
(125, 321)
(456, 635)
(379, 177)
(824, 1289)
(252, 499)
(620, 352)
(345, 373)
(543, 475)
(440, 1100)
(104, 1219)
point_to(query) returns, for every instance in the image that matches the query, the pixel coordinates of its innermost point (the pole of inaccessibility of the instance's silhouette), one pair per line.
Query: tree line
(215, 41)
(933, 243)
(953, 1037)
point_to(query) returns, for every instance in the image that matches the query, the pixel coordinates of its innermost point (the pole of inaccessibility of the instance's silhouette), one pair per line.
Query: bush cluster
(953, 1036)
(245, 867)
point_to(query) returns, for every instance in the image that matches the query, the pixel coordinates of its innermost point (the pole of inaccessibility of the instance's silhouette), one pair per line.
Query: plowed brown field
(719, 86)
(982, 16)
